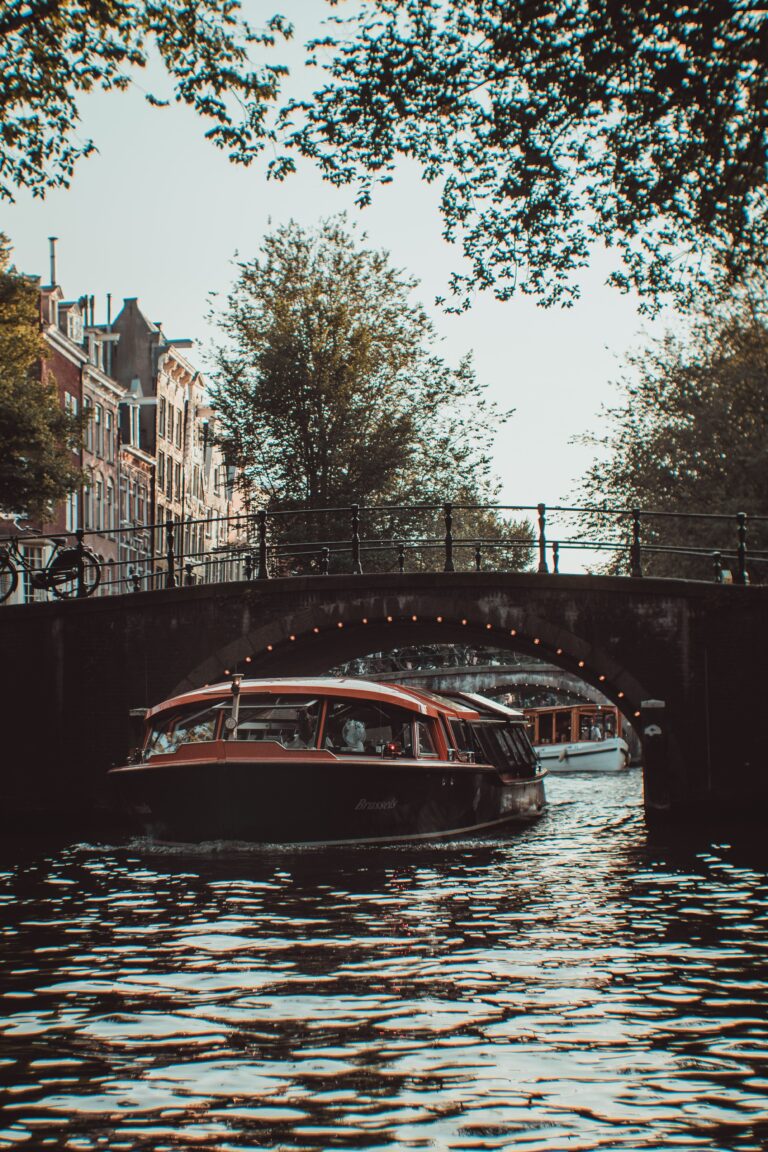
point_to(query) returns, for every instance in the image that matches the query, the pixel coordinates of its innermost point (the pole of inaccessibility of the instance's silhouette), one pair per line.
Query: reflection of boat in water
(578, 738)
(329, 760)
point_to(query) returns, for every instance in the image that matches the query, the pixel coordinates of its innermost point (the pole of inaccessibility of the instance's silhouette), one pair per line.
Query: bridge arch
(315, 638)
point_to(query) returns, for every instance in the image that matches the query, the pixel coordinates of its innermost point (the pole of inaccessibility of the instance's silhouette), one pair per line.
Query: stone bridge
(72, 670)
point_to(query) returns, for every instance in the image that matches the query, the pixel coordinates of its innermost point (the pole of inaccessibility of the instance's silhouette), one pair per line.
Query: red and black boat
(329, 761)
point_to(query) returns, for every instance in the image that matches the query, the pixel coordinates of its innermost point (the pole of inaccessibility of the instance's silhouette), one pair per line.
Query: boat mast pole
(232, 720)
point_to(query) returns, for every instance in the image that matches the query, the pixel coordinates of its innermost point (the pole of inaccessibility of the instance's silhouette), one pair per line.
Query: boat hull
(311, 803)
(585, 756)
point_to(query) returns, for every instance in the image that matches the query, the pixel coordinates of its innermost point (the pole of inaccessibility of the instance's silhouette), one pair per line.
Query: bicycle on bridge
(71, 570)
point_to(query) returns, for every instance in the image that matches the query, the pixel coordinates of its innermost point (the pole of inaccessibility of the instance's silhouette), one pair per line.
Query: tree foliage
(331, 391)
(556, 127)
(53, 51)
(38, 439)
(691, 436)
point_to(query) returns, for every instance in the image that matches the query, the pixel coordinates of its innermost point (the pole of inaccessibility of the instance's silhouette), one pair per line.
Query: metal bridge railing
(263, 543)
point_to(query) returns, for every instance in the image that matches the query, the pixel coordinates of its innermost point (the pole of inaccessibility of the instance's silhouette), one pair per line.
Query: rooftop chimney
(52, 241)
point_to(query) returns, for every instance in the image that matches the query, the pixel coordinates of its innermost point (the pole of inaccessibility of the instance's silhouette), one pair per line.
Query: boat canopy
(412, 699)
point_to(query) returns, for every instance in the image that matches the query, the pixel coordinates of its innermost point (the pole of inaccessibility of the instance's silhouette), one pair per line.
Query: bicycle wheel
(9, 578)
(61, 575)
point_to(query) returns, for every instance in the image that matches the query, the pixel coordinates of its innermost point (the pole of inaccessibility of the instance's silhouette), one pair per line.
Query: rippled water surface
(572, 986)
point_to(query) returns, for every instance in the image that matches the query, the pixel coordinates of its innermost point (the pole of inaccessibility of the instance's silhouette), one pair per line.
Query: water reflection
(572, 986)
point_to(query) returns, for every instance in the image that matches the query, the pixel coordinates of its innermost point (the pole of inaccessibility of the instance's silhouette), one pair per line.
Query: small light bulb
(439, 619)
(581, 663)
(339, 624)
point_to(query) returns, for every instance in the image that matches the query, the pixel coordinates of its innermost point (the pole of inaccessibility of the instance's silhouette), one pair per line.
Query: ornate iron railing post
(556, 558)
(135, 579)
(248, 566)
(401, 558)
(262, 572)
(448, 514)
(542, 511)
(357, 567)
(80, 550)
(170, 575)
(325, 561)
(635, 565)
(478, 558)
(741, 555)
(717, 566)
(188, 577)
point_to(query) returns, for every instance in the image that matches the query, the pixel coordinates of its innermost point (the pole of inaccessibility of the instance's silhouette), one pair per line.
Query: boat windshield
(188, 726)
(287, 720)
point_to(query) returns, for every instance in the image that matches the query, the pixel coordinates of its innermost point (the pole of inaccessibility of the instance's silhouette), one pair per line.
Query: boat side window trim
(291, 721)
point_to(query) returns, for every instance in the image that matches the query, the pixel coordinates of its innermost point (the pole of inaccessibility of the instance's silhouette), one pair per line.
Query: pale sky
(159, 214)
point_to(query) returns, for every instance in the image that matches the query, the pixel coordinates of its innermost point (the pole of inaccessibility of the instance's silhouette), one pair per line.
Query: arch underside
(311, 640)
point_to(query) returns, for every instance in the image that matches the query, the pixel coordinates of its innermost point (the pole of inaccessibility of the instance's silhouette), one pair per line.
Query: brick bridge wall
(72, 670)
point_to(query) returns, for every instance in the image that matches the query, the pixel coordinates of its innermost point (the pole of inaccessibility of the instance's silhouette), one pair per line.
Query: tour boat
(578, 738)
(329, 761)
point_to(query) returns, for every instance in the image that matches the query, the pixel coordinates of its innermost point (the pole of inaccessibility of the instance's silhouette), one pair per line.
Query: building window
(179, 423)
(98, 430)
(33, 554)
(110, 513)
(98, 508)
(141, 503)
(161, 416)
(88, 506)
(109, 434)
(124, 509)
(160, 470)
(169, 479)
(177, 480)
(88, 422)
(70, 512)
(135, 426)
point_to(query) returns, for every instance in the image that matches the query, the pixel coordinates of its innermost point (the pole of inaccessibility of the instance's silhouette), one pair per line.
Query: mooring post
(635, 565)
(741, 561)
(357, 567)
(542, 510)
(653, 735)
(170, 575)
(262, 573)
(448, 515)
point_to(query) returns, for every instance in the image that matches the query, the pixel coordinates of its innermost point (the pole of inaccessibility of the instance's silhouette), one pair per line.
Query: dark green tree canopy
(691, 434)
(556, 127)
(331, 391)
(38, 438)
(52, 51)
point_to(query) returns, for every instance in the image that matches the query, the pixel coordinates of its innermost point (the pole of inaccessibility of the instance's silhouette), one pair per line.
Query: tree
(691, 436)
(331, 392)
(38, 438)
(556, 127)
(52, 51)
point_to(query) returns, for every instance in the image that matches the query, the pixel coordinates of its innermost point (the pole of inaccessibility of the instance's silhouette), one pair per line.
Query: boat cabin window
(546, 723)
(359, 726)
(563, 726)
(506, 746)
(190, 726)
(465, 739)
(287, 720)
(425, 744)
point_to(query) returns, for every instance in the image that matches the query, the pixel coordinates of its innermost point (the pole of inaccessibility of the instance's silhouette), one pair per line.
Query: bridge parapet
(74, 670)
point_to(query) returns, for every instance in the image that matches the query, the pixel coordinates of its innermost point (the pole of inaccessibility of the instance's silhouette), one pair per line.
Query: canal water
(573, 986)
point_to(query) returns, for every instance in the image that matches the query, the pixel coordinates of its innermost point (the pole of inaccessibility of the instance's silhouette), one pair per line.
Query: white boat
(578, 738)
